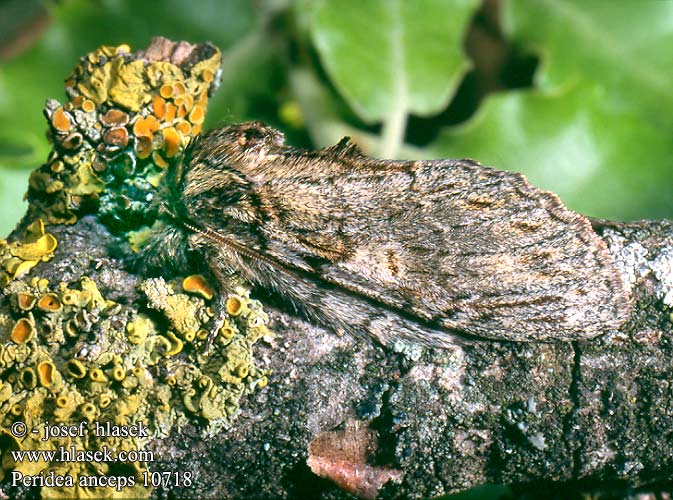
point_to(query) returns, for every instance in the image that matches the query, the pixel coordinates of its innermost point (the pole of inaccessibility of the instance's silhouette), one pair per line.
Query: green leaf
(391, 55)
(601, 161)
(627, 47)
(13, 184)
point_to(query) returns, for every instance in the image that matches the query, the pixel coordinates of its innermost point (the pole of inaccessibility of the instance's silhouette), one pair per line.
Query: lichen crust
(127, 117)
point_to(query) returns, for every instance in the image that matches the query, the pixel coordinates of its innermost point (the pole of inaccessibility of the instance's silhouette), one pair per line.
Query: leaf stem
(395, 124)
(392, 135)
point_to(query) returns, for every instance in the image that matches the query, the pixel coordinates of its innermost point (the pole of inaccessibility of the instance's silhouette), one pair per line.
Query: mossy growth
(69, 355)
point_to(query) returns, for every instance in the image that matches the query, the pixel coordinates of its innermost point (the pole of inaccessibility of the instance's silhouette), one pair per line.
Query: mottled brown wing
(455, 244)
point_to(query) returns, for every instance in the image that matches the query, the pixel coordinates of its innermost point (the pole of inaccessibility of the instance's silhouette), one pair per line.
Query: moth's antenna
(241, 249)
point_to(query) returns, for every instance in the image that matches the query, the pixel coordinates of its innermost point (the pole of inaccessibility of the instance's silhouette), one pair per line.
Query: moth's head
(214, 180)
(236, 143)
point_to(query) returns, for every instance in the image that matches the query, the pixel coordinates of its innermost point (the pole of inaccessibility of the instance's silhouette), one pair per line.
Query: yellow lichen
(97, 375)
(75, 368)
(138, 329)
(227, 331)
(23, 331)
(118, 103)
(118, 373)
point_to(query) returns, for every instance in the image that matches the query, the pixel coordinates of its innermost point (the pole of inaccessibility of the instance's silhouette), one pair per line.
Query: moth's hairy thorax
(166, 251)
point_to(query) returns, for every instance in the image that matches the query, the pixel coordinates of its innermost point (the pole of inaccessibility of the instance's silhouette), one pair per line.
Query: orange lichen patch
(234, 306)
(25, 301)
(57, 167)
(171, 111)
(172, 142)
(46, 373)
(22, 331)
(186, 101)
(166, 91)
(197, 115)
(117, 136)
(76, 101)
(179, 88)
(207, 76)
(184, 127)
(182, 111)
(146, 126)
(197, 284)
(88, 106)
(61, 121)
(143, 146)
(114, 117)
(158, 107)
(49, 303)
(159, 160)
(196, 129)
(73, 141)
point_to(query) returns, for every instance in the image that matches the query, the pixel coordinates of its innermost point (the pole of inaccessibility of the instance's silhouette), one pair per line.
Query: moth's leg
(218, 322)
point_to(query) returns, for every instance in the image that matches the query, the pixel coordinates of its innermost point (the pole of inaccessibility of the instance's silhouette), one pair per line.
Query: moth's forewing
(453, 244)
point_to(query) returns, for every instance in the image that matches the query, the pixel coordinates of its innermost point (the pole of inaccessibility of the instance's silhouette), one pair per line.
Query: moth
(424, 252)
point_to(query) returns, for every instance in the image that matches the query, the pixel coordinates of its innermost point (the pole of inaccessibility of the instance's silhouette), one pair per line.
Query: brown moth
(426, 252)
